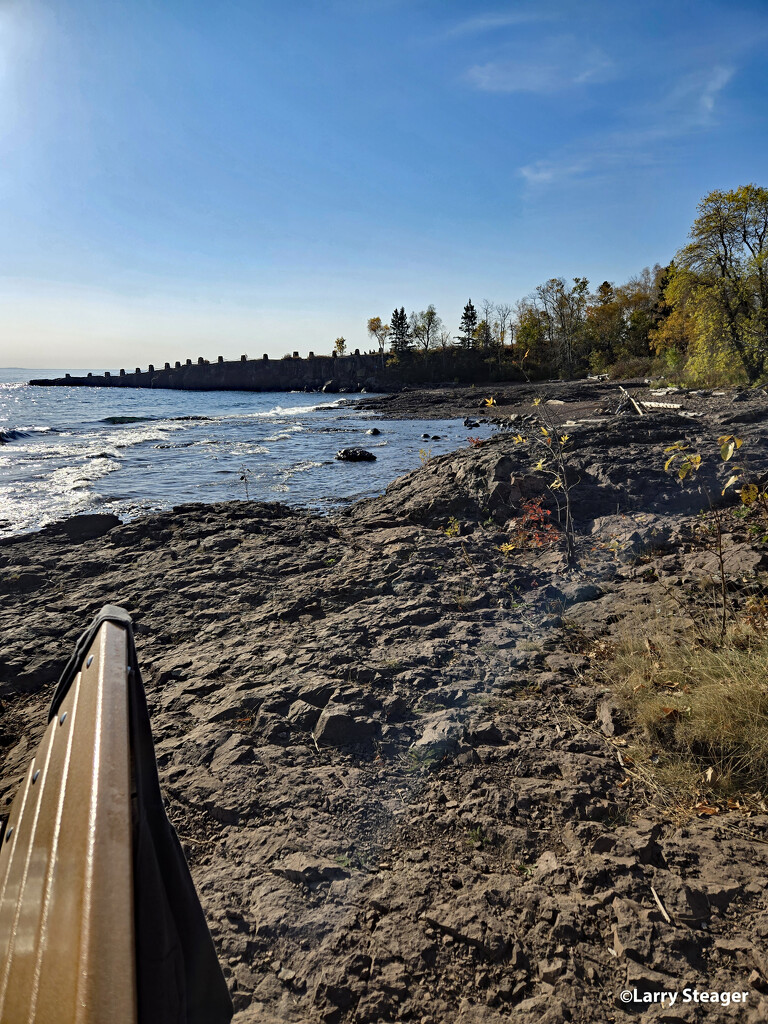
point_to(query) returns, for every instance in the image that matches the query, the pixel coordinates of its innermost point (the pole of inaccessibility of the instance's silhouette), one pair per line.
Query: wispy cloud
(547, 172)
(695, 95)
(716, 83)
(688, 107)
(488, 22)
(559, 64)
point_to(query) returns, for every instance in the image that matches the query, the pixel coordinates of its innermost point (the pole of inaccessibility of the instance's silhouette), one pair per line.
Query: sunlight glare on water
(130, 451)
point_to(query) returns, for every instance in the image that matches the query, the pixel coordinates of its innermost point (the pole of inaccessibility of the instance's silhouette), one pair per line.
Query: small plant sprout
(453, 528)
(553, 448)
(532, 529)
(425, 454)
(555, 453)
(690, 462)
(245, 476)
(686, 464)
(490, 401)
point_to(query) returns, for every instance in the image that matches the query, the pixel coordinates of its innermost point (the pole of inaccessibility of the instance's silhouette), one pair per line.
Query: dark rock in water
(11, 435)
(435, 437)
(355, 455)
(331, 387)
(119, 420)
(471, 423)
(425, 437)
(374, 431)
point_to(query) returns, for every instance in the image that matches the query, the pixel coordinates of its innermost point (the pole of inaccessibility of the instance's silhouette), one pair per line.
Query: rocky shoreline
(443, 401)
(398, 784)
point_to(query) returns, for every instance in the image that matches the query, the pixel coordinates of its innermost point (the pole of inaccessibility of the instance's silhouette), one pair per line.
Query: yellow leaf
(564, 438)
(518, 439)
(539, 466)
(669, 461)
(545, 431)
(738, 442)
(749, 493)
(537, 401)
(554, 485)
(490, 401)
(727, 451)
(731, 481)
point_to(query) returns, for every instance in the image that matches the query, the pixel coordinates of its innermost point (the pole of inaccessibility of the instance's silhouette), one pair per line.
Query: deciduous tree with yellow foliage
(718, 289)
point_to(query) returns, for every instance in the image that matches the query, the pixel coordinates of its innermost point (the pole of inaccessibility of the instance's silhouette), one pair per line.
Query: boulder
(442, 735)
(355, 455)
(302, 715)
(87, 527)
(337, 727)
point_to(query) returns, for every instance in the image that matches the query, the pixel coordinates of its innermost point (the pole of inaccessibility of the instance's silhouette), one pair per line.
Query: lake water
(131, 451)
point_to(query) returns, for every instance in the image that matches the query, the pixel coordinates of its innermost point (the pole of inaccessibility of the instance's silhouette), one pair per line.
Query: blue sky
(184, 178)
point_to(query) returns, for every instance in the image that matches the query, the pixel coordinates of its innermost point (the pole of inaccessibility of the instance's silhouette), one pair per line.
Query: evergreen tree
(468, 325)
(398, 331)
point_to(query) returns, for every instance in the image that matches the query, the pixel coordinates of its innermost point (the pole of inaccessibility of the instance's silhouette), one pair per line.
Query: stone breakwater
(331, 374)
(397, 787)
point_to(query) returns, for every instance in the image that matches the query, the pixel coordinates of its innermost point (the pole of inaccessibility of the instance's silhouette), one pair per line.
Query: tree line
(702, 318)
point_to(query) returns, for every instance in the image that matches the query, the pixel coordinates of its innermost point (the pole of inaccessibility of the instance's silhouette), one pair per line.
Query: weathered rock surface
(399, 795)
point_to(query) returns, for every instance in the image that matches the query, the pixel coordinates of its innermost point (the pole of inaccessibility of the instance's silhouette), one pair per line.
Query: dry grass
(703, 708)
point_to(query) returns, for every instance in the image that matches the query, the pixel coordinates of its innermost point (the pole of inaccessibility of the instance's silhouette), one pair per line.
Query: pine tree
(398, 331)
(468, 325)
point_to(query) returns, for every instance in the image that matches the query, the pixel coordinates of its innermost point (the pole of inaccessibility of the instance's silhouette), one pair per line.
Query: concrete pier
(291, 373)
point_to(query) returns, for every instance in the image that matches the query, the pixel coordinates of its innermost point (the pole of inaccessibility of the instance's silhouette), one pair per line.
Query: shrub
(532, 529)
